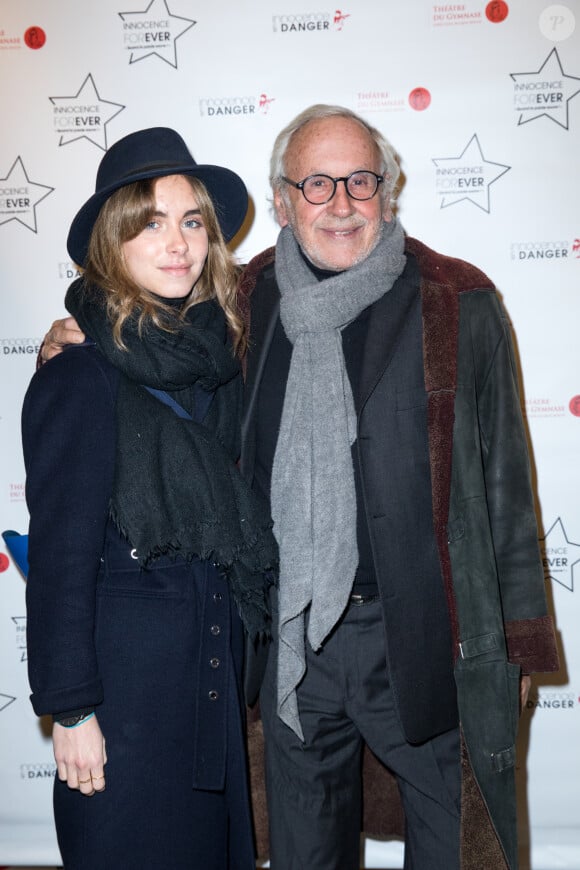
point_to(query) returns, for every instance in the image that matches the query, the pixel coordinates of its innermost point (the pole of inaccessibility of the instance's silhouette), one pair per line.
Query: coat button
(214, 663)
(217, 596)
(213, 695)
(215, 630)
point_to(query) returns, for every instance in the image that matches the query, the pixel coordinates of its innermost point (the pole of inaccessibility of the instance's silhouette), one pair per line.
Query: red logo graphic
(419, 99)
(576, 247)
(339, 19)
(575, 406)
(4, 562)
(497, 11)
(35, 37)
(264, 103)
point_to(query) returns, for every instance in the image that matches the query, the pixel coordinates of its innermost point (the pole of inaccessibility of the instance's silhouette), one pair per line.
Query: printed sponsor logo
(557, 22)
(496, 11)
(545, 93)
(340, 19)
(310, 22)
(16, 493)
(35, 38)
(449, 14)
(549, 700)
(84, 115)
(9, 41)
(19, 196)
(574, 406)
(68, 271)
(10, 347)
(20, 623)
(468, 177)
(264, 103)
(542, 406)
(250, 106)
(43, 770)
(380, 101)
(561, 557)
(550, 250)
(4, 562)
(153, 32)
(419, 99)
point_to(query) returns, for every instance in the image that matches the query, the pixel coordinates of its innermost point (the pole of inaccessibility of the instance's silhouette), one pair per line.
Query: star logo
(6, 700)
(545, 93)
(467, 177)
(84, 115)
(154, 32)
(560, 556)
(20, 196)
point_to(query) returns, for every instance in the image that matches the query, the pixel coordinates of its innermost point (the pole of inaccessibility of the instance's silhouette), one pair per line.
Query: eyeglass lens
(321, 188)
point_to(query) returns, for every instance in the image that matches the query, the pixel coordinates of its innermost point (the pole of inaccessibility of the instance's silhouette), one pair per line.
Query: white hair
(390, 167)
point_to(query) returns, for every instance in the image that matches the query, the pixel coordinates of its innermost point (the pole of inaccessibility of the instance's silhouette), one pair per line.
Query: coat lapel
(385, 329)
(265, 306)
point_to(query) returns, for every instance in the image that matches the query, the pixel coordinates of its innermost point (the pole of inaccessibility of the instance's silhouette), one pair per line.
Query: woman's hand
(62, 332)
(80, 756)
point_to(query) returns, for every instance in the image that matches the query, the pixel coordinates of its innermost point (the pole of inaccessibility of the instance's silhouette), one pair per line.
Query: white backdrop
(482, 102)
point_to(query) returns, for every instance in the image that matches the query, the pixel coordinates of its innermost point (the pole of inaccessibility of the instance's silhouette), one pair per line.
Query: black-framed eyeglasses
(319, 189)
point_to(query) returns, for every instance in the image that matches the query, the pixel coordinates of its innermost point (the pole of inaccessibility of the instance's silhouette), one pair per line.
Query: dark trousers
(314, 788)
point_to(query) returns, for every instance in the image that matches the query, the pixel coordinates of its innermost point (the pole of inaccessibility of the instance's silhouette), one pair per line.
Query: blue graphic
(17, 546)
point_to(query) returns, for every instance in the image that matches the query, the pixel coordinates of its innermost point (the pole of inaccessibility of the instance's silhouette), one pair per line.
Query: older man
(383, 420)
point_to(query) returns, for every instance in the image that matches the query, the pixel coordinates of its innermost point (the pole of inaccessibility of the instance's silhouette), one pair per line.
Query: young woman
(147, 552)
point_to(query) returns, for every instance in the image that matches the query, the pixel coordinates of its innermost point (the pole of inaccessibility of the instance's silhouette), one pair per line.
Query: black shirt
(270, 403)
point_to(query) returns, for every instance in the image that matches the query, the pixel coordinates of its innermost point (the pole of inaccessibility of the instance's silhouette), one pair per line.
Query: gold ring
(97, 777)
(84, 781)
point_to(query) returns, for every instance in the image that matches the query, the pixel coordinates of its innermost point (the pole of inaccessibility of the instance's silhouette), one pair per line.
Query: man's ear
(280, 209)
(387, 212)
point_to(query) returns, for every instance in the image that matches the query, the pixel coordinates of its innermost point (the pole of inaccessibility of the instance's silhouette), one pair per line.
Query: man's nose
(341, 203)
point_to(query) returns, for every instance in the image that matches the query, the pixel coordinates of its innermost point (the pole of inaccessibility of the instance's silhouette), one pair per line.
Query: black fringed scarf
(176, 487)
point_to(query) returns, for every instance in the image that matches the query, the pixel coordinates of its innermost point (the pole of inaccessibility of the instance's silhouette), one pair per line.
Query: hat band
(156, 167)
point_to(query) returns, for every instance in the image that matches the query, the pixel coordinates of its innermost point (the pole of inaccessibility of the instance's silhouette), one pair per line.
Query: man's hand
(525, 686)
(61, 332)
(80, 756)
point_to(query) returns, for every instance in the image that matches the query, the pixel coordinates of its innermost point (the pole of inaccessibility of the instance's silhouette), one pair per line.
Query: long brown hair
(123, 216)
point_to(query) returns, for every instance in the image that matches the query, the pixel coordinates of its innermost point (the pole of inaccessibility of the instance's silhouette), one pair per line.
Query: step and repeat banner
(482, 102)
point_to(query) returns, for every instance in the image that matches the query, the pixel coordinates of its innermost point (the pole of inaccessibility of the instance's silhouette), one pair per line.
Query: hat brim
(226, 189)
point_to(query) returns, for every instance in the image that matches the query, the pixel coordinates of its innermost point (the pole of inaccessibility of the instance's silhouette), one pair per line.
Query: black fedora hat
(153, 153)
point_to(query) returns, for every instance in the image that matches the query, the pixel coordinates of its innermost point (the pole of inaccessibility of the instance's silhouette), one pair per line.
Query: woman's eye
(152, 225)
(192, 224)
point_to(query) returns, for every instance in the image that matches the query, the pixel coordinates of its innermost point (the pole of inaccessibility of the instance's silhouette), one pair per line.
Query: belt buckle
(357, 600)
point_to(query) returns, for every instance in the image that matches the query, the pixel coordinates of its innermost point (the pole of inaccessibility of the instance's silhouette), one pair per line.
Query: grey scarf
(313, 490)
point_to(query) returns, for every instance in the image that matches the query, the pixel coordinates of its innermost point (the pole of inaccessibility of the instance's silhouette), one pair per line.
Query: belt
(358, 600)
